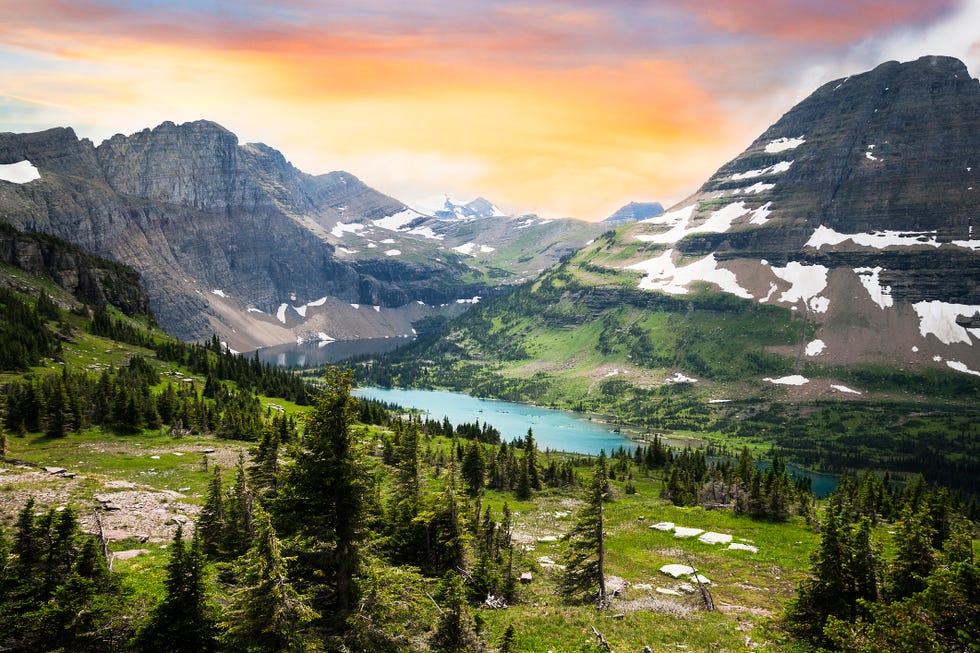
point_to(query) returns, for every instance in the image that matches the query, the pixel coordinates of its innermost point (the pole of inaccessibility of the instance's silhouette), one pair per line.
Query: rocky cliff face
(223, 234)
(90, 278)
(857, 208)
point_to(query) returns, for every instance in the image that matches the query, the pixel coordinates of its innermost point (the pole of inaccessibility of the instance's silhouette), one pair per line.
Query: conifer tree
(239, 513)
(456, 631)
(584, 576)
(184, 621)
(321, 500)
(474, 468)
(211, 521)
(914, 555)
(267, 614)
(531, 456)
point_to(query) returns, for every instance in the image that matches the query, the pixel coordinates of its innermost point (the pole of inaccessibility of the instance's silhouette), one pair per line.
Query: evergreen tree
(456, 631)
(844, 574)
(584, 576)
(211, 521)
(531, 456)
(474, 468)
(321, 500)
(239, 513)
(914, 555)
(267, 614)
(184, 621)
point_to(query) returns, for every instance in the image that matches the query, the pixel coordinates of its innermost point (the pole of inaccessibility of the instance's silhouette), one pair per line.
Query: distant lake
(312, 354)
(553, 429)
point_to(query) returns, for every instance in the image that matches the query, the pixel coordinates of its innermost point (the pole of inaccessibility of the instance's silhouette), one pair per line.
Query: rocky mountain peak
(858, 206)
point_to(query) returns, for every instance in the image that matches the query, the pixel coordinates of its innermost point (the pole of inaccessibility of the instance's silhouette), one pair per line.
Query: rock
(663, 526)
(54, 470)
(525, 577)
(178, 519)
(738, 546)
(715, 538)
(547, 538)
(668, 592)
(677, 570)
(129, 554)
(683, 531)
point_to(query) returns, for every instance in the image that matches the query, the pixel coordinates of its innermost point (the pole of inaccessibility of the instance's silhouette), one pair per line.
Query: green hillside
(583, 337)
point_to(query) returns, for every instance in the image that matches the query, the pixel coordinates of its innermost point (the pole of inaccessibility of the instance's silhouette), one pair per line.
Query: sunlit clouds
(570, 108)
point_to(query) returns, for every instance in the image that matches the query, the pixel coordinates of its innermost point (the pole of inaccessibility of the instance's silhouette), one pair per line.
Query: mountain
(821, 285)
(232, 239)
(449, 208)
(635, 211)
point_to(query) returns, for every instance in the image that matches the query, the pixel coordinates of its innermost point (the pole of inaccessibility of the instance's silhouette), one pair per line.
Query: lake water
(313, 354)
(553, 429)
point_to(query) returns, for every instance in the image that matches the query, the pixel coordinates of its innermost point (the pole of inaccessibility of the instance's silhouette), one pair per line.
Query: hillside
(232, 239)
(816, 292)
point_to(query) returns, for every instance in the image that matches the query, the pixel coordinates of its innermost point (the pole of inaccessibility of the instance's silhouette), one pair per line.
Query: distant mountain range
(232, 239)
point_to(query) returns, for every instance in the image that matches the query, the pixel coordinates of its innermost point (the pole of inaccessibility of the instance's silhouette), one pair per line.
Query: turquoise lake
(553, 429)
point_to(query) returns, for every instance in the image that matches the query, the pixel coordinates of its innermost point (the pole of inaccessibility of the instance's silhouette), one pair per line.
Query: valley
(813, 305)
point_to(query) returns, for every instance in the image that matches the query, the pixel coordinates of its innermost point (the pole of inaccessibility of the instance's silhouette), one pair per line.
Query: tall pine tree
(320, 506)
(584, 576)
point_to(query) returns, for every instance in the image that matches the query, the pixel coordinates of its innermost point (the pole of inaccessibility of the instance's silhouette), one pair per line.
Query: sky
(557, 108)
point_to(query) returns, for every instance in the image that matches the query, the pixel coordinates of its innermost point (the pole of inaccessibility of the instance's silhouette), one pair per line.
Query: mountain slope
(810, 269)
(233, 239)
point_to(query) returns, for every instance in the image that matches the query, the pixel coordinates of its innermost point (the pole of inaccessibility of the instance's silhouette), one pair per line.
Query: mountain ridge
(232, 239)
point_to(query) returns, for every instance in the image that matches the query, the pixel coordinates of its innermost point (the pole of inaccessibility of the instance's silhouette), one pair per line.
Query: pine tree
(211, 522)
(267, 614)
(584, 576)
(474, 468)
(239, 512)
(321, 498)
(184, 621)
(456, 631)
(531, 456)
(914, 556)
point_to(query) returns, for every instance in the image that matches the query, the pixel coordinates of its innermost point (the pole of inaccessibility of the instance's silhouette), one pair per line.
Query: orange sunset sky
(559, 108)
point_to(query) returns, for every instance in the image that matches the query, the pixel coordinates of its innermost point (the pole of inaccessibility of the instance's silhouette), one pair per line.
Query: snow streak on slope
(663, 275)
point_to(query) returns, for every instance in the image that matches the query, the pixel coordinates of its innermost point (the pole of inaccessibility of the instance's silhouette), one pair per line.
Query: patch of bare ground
(127, 510)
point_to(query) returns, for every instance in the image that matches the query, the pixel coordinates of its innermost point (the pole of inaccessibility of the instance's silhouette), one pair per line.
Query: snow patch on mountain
(961, 367)
(761, 214)
(793, 379)
(719, 221)
(22, 172)
(807, 282)
(815, 347)
(878, 239)
(398, 220)
(663, 275)
(939, 319)
(342, 228)
(774, 169)
(783, 144)
(880, 295)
